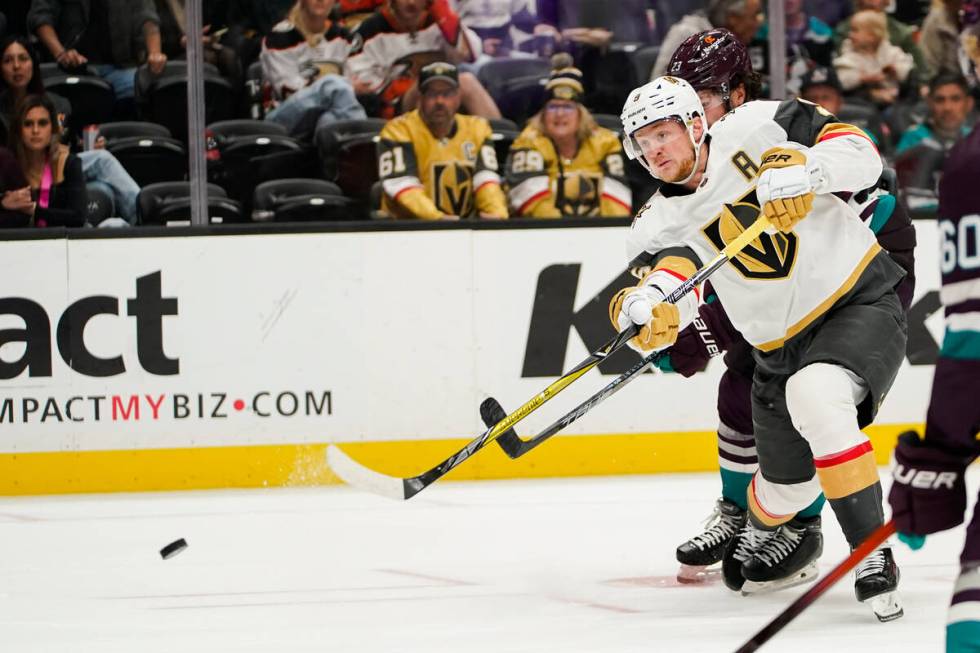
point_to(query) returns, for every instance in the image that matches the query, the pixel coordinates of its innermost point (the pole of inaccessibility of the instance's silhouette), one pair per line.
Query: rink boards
(157, 363)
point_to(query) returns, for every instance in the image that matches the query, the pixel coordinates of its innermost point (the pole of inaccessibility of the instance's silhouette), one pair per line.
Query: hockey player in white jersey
(815, 297)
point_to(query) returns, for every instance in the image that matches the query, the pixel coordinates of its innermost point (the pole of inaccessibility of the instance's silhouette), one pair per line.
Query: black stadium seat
(237, 169)
(610, 122)
(233, 128)
(505, 132)
(301, 200)
(643, 60)
(497, 74)
(127, 129)
(92, 98)
(99, 205)
(163, 98)
(170, 204)
(348, 154)
(150, 159)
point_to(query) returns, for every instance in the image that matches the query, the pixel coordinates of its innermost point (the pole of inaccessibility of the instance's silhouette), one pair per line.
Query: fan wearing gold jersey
(435, 164)
(564, 165)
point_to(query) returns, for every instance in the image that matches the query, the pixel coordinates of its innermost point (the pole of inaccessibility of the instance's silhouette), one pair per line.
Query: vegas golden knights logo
(579, 194)
(767, 257)
(453, 187)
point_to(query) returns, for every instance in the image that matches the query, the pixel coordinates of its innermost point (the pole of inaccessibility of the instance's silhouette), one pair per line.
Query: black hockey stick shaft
(807, 598)
(515, 447)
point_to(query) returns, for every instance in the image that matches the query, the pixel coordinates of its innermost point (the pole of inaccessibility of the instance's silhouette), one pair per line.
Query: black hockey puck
(173, 548)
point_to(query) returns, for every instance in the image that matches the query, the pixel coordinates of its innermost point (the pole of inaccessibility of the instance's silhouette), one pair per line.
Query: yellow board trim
(304, 465)
(825, 304)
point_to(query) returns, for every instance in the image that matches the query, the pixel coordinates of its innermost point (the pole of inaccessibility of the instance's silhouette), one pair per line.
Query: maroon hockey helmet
(709, 60)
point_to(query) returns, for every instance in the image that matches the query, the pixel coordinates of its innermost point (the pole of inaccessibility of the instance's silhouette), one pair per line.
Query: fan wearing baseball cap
(437, 164)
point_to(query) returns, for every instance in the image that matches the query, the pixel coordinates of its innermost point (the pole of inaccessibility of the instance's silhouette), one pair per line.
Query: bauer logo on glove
(785, 189)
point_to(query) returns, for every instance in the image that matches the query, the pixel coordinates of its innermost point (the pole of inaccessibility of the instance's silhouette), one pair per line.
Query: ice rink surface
(499, 566)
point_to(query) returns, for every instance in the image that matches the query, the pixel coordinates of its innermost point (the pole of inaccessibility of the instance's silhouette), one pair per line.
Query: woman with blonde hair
(55, 195)
(564, 165)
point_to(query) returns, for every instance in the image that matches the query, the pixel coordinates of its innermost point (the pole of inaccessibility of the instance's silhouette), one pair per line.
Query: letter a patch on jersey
(768, 256)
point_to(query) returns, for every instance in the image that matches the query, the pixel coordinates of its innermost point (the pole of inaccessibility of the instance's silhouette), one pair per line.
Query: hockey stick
(807, 598)
(353, 473)
(492, 412)
(515, 447)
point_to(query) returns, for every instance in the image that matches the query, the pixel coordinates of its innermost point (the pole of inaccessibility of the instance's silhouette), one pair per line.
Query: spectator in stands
(400, 38)
(563, 165)
(809, 43)
(950, 105)
(303, 60)
(899, 33)
(104, 37)
(822, 87)
(173, 28)
(247, 22)
(496, 22)
(353, 12)
(869, 64)
(435, 164)
(57, 185)
(939, 37)
(16, 205)
(741, 17)
(969, 50)
(20, 76)
(831, 12)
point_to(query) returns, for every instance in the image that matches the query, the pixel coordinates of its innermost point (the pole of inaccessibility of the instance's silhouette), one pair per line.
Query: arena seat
(132, 128)
(497, 74)
(163, 98)
(348, 154)
(169, 204)
(868, 118)
(100, 204)
(301, 200)
(505, 132)
(247, 127)
(92, 98)
(150, 159)
(610, 122)
(236, 170)
(643, 61)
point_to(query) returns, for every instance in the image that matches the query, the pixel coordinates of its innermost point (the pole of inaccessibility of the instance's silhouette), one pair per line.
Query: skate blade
(697, 575)
(886, 606)
(806, 575)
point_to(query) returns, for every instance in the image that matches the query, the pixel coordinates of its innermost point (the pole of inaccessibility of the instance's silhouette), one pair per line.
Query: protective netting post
(777, 50)
(195, 113)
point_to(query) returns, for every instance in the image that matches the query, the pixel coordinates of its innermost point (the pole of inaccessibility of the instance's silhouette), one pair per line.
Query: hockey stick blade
(515, 447)
(806, 599)
(491, 412)
(357, 475)
(353, 473)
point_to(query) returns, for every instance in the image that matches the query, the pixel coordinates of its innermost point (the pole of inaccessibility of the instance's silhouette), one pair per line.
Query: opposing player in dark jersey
(718, 66)
(929, 493)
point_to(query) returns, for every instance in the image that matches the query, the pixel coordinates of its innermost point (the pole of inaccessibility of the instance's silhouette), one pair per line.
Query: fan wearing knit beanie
(564, 165)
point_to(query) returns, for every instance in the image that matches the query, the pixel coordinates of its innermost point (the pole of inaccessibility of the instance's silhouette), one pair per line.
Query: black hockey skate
(708, 548)
(876, 584)
(739, 550)
(786, 559)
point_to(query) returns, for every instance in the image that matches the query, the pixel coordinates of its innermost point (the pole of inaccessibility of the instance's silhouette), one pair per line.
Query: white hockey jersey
(781, 283)
(291, 59)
